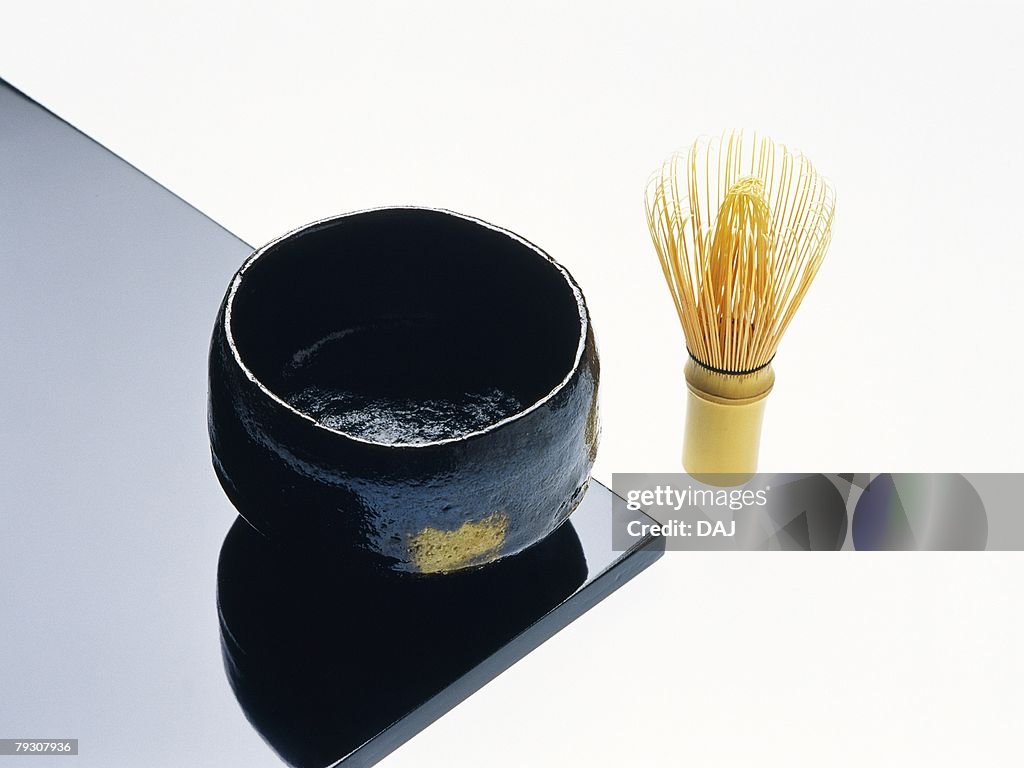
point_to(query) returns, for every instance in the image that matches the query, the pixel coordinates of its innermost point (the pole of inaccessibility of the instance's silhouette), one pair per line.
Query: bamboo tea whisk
(741, 225)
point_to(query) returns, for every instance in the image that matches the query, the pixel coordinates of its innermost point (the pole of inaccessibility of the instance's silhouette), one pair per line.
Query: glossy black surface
(407, 387)
(332, 663)
(111, 519)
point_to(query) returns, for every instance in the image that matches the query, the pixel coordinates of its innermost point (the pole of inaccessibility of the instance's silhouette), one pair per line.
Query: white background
(547, 119)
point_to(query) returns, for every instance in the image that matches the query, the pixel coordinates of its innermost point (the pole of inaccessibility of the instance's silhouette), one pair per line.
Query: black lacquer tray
(112, 523)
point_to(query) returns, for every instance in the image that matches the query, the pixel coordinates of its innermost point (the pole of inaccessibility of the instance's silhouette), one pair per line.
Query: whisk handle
(724, 414)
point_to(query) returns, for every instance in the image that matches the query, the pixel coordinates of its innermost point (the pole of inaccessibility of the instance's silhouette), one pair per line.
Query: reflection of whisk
(741, 226)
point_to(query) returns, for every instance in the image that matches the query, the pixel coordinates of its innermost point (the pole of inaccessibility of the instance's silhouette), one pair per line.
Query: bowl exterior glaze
(428, 508)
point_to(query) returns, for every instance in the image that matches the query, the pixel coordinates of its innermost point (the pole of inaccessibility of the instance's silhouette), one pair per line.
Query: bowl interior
(406, 326)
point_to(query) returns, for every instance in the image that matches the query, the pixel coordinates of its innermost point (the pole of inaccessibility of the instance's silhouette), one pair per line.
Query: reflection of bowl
(406, 384)
(324, 657)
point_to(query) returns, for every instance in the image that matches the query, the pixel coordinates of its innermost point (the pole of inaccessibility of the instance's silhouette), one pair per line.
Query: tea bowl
(409, 387)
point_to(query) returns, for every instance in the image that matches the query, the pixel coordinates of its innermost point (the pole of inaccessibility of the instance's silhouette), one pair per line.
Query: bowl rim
(236, 281)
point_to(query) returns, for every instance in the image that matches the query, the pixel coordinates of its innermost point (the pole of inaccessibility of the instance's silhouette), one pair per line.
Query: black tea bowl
(406, 386)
